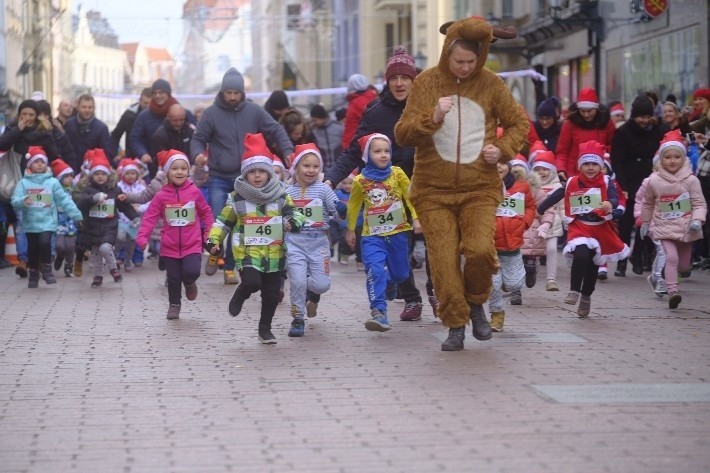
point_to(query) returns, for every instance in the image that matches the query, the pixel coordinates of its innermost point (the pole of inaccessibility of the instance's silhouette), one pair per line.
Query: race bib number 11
(674, 206)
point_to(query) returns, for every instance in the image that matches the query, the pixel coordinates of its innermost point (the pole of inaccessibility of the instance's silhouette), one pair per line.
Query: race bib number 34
(263, 231)
(583, 202)
(512, 206)
(385, 218)
(107, 209)
(179, 214)
(312, 209)
(674, 206)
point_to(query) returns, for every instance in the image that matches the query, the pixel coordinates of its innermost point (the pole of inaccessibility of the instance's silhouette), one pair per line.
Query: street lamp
(420, 60)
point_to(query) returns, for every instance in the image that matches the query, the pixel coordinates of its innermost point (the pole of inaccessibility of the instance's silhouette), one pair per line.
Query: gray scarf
(271, 191)
(84, 124)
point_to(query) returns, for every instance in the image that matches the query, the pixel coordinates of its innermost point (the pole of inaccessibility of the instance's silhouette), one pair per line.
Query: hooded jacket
(357, 101)
(329, 139)
(21, 140)
(224, 128)
(632, 153)
(510, 229)
(43, 219)
(575, 131)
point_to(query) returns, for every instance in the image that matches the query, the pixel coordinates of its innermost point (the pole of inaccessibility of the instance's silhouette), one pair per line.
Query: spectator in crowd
(65, 111)
(547, 124)
(328, 135)
(360, 93)
(86, 132)
(175, 133)
(277, 104)
(125, 123)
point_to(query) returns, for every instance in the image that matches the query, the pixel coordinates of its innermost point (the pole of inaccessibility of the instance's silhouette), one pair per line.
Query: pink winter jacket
(663, 183)
(638, 206)
(177, 241)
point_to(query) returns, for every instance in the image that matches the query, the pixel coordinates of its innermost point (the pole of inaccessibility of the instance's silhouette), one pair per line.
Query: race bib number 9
(107, 209)
(674, 206)
(40, 197)
(385, 218)
(263, 231)
(583, 202)
(512, 206)
(312, 209)
(179, 214)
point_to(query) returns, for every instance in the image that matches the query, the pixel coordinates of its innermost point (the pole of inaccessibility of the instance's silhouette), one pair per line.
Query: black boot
(480, 327)
(33, 281)
(621, 269)
(530, 271)
(454, 342)
(636, 266)
(236, 303)
(46, 270)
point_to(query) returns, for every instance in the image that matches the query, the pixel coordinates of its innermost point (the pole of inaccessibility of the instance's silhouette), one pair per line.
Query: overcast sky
(155, 23)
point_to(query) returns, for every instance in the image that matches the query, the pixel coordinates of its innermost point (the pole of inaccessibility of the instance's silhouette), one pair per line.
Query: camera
(690, 137)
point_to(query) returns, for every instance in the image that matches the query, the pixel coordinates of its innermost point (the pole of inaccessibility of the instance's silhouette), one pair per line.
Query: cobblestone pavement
(97, 380)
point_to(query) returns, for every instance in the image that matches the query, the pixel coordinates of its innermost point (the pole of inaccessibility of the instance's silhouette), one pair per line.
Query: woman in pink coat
(187, 220)
(675, 204)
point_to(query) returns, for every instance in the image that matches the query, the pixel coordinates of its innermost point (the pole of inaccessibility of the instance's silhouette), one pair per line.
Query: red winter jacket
(510, 229)
(356, 107)
(576, 131)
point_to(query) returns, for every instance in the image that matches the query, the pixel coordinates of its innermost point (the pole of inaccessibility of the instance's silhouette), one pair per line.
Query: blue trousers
(218, 188)
(386, 260)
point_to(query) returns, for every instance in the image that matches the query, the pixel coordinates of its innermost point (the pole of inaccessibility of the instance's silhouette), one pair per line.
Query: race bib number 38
(312, 209)
(179, 214)
(263, 231)
(107, 209)
(512, 206)
(385, 218)
(583, 202)
(674, 206)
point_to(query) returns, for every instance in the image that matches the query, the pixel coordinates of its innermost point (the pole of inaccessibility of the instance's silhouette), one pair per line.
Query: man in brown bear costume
(451, 118)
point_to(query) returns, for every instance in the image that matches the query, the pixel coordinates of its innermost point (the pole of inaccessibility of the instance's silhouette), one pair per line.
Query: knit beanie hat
(232, 80)
(400, 63)
(357, 83)
(129, 164)
(61, 169)
(34, 153)
(162, 84)
(703, 92)
(28, 104)
(99, 162)
(166, 158)
(588, 98)
(536, 148)
(257, 155)
(300, 151)
(547, 108)
(365, 144)
(672, 140)
(641, 106)
(591, 152)
(544, 159)
(616, 109)
(318, 111)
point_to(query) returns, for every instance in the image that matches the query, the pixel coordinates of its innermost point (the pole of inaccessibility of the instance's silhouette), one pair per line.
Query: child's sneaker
(21, 269)
(58, 262)
(412, 312)
(173, 312)
(661, 289)
(497, 320)
(516, 298)
(211, 265)
(434, 302)
(230, 277)
(311, 309)
(674, 300)
(343, 259)
(191, 291)
(97, 282)
(602, 274)
(266, 337)
(378, 322)
(78, 266)
(359, 266)
(551, 286)
(572, 298)
(128, 266)
(68, 270)
(116, 274)
(298, 328)
(585, 304)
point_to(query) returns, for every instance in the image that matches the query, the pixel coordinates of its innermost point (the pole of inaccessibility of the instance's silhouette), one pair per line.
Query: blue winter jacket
(36, 219)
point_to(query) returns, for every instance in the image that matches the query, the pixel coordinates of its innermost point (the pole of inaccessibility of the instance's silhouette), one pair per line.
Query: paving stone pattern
(97, 380)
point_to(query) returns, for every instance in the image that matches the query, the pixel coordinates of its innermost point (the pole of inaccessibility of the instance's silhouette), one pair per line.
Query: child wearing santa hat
(184, 212)
(100, 205)
(38, 195)
(589, 199)
(257, 213)
(308, 252)
(129, 172)
(65, 244)
(674, 203)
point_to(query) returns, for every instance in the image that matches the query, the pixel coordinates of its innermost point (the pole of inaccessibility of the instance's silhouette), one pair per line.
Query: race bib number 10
(180, 215)
(583, 202)
(263, 231)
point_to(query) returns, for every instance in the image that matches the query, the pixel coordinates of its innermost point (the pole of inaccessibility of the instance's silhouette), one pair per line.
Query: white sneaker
(661, 288)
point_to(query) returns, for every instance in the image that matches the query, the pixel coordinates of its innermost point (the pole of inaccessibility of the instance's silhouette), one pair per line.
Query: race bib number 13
(583, 202)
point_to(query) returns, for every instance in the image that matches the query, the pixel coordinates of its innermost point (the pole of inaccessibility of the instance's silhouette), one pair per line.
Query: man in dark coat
(125, 123)
(86, 132)
(175, 133)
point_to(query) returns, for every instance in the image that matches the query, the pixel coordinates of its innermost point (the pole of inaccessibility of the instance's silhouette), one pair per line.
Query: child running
(259, 210)
(383, 191)
(589, 199)
(66, 231)
(130, 183)
(184, 211)
(37, 195)
(675, 204)
(655, 279)
(308, 252)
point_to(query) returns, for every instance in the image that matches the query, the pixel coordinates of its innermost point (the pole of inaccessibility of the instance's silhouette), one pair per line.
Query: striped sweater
(318, 203)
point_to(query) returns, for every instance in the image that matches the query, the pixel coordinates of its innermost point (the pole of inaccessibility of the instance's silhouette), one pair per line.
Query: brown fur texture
(453, 189)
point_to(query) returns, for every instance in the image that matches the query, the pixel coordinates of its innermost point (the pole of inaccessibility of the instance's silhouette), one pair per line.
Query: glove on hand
(644, 230)
(99, 197)
(695, 226)
(542, 230)
(211, 246)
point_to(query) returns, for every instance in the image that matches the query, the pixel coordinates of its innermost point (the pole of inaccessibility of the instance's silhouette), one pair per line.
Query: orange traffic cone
(11, 247)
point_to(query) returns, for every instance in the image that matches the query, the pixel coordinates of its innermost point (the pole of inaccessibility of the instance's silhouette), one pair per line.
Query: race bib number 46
(385, 218)
(263, 231)
(312, 209)
(512, 206)
(107, 209)
(179, 214)
(583, 202)
(674, 206)
(40, 197)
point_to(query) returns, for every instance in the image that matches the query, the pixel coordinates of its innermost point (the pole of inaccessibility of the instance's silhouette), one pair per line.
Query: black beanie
(278, 100)
(318, 112)
(162, 84)
(547, 108)
(641, 106)
(28, 104)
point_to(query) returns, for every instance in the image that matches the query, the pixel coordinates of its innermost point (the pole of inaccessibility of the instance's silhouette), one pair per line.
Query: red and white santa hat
(365, 144)
(278, 162)
(257, 155)
(61, 169)
(300, 151)
(34, 153)
(129, 164)
(166, 158)
(591, 152)
(545, 159)
(617, 109)
(537, 147)
(607, 163)
(587, 98)
(99, 162)
(672, 140)
(519, 160)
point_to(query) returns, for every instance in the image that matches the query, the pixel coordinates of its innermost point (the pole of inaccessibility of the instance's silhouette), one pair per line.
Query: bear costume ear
(444, 28)
(499, 32)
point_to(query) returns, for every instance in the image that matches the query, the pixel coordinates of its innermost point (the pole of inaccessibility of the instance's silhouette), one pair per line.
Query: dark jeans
(39, 249)
(269, 285)
(180, 271)
(584, 272)
(218, 188)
